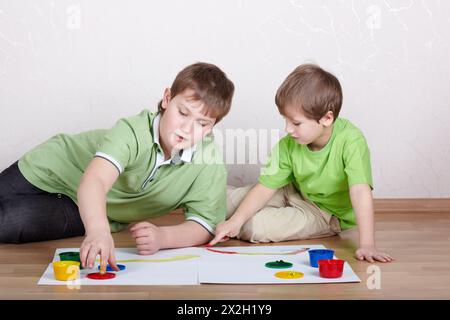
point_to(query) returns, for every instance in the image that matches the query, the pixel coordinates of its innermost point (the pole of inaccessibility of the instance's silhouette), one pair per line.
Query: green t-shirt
(195, 182)
(323, 176)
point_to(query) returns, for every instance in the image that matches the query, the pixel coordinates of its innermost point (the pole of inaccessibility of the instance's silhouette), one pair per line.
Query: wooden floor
(419, 240)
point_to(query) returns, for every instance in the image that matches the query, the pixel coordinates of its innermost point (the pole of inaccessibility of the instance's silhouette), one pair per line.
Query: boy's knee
(235, 196)
(283, 224)
(253, 230)
(260, 228)
(10, 234)
(18, 228)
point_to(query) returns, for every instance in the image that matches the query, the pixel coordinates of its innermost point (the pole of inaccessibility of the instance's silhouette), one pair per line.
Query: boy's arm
(186, 234)
(150, 238)
(254, 201)
(362, 202)
(95, 183)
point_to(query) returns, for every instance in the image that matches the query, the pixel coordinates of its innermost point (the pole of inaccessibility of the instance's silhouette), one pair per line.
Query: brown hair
(211, 86)
(313, 89)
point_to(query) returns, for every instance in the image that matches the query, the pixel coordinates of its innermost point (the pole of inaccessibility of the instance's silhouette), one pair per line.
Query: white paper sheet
(182, 272)
(208, 267)
(245, 269)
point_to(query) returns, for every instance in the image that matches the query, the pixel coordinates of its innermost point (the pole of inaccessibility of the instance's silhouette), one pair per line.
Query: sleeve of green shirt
(278, 171)
(357, 162)
(119, 145)
(206, 199)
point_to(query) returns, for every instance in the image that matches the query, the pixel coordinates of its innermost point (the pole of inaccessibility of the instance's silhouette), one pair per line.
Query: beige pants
(287, 216)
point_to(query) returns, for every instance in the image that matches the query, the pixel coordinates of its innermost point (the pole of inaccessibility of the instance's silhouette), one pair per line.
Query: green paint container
(70, 256)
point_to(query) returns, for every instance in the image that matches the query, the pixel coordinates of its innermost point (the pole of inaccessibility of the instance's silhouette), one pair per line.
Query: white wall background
(70, 66)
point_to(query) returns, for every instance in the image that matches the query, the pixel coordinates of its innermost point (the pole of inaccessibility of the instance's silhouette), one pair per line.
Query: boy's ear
(327, 119)
(166, 98)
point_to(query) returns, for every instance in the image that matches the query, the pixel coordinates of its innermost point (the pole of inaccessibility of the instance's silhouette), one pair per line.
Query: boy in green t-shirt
(318, 179)
(147, 165)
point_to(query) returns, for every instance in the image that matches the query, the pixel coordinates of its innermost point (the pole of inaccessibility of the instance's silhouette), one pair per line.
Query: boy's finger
(134, 228)
(216, 239)
(83, 255)
(226, 238)
(91, 257)
(112, 260)
(142, 240)
(143, 232)
(359, 256)
(143, 247)
(103, 261)
(138, 226)
(213, 242)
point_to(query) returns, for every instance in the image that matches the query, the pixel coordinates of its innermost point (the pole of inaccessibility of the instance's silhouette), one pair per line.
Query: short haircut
(312, 89)
(210, 85)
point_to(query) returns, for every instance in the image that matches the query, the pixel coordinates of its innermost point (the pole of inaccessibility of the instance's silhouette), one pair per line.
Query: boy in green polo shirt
(147, 165)
(318, 179)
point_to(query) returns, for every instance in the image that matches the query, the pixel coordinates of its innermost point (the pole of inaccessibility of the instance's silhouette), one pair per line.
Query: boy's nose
(187, 126)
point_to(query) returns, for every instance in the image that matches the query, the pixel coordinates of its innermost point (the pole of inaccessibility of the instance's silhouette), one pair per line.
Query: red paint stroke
(259, 253)
(221, 251)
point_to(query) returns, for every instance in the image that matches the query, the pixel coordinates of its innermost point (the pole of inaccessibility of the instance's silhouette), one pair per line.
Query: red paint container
(331, 268)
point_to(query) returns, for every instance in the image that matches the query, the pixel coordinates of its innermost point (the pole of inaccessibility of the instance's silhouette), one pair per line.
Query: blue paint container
(319, 254)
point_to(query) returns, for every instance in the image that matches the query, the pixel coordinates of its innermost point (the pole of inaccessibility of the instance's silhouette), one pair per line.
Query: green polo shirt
(194, 179)
(323, 176)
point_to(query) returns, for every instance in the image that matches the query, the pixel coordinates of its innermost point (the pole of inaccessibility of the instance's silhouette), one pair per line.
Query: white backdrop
(71, 66)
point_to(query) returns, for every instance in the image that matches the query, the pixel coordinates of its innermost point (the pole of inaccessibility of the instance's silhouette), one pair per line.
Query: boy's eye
(296, 123)
(182, 113)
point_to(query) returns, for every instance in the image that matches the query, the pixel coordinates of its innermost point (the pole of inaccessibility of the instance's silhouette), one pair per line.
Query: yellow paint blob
(289, 275)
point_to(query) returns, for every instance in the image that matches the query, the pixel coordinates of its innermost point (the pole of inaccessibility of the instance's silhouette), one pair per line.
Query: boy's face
(304, 130)
(182, 124)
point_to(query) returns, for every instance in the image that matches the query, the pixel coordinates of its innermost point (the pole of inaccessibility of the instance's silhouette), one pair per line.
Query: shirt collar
(184, 155)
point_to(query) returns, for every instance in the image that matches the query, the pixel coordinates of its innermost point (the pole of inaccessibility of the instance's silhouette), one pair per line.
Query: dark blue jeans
(29, 214)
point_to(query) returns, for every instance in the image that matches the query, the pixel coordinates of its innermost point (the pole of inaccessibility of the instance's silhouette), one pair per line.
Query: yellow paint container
(66, 270)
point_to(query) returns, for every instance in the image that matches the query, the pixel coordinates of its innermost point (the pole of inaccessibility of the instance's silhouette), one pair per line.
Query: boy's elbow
(360, 192)
(82, 186)
(87, 182)
(360, 188)
(264, 192)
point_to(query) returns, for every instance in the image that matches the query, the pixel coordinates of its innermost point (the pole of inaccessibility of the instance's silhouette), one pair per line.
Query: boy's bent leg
(296, 221)
(295, 199)
(39, 218)
(235, 195)
(29, 214)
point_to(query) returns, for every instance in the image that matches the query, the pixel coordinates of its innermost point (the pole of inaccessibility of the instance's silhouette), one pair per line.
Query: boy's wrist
(367, 244)
(163, 237)
(97, 229)
(237, 219)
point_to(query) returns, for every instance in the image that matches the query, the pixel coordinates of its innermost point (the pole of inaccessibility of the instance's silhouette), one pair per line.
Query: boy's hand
(98, 243)
(225, 230)
(372, 254)
(148, 237)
